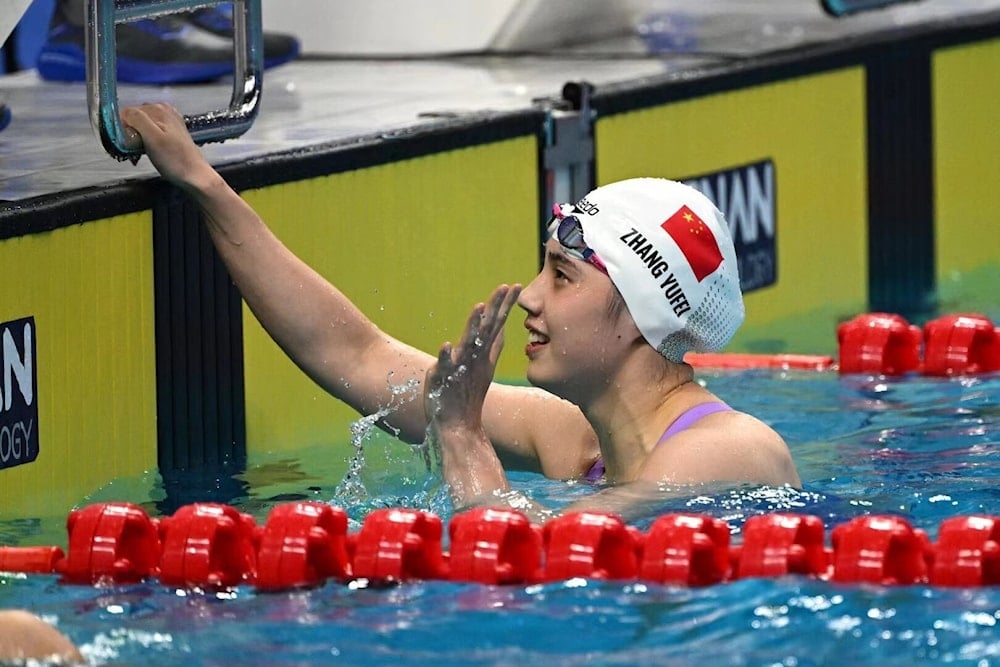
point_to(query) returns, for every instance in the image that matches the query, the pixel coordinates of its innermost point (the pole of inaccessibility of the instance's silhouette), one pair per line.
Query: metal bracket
(102, 91)
(569, 146)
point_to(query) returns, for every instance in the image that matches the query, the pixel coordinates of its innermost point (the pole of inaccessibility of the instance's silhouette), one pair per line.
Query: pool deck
(50, 148)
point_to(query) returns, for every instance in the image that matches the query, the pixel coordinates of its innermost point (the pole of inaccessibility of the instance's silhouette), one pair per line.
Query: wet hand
(167, 142)
(456, 385)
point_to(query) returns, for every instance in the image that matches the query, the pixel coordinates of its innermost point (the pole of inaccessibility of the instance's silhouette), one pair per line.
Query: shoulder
(26, 637)
(530, 424)
(728, 446)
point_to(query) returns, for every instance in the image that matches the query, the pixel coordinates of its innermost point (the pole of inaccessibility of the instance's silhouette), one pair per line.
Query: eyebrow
(559, 258)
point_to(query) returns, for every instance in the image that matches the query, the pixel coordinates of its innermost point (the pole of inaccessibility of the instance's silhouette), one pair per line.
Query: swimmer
(635, 275)
(25, 637)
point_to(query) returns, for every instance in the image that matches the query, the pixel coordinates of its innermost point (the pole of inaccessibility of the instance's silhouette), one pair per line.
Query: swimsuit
(681, 423)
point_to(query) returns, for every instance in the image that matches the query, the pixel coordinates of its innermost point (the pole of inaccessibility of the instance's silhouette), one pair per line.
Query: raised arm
(326, 335)
(313, 322)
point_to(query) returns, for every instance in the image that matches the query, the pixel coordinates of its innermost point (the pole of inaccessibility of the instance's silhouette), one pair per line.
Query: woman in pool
(636, 274)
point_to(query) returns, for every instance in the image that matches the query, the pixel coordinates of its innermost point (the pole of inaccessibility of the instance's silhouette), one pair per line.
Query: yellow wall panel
(966, 82)
(89, 289)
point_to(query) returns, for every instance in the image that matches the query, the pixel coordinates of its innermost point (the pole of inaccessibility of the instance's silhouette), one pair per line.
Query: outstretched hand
(167, 142)
(456, 385)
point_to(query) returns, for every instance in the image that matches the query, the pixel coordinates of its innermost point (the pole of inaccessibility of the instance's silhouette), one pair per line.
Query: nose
(530, 297)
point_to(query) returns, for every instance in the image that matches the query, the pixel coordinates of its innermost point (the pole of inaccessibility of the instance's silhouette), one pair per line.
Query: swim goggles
(568, 230)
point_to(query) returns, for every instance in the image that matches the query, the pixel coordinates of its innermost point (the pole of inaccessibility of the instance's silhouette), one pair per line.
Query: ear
(635, 336)
(625, 327)
(620, 318)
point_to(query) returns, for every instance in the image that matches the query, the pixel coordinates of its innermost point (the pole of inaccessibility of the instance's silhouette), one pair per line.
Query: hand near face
(457, 384)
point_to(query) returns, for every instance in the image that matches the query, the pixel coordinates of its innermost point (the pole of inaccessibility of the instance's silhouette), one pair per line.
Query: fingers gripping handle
(212, 126)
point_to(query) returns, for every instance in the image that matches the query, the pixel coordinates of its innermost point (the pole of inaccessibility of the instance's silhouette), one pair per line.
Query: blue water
(924, 449)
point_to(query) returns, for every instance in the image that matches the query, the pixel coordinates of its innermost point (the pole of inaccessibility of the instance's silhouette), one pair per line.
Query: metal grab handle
(102, 70)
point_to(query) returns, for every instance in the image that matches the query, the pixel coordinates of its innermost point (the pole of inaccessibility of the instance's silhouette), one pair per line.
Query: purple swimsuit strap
(596, 471)
(681, 423)
(691, 416)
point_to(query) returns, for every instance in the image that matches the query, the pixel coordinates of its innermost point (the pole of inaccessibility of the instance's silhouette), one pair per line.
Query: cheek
(612, 335)
(592, 331)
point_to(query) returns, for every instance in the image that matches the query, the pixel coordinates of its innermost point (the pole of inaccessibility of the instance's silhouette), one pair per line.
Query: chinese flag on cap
(695, 240)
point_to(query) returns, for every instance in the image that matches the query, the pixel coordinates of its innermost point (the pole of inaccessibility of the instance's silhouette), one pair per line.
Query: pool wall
(881, 160)
(966, 81)
(82, 297)
(860, 176)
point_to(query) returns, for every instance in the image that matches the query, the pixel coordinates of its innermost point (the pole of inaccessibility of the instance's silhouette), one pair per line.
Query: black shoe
(218, 20)
(193, 47)
(164, 50)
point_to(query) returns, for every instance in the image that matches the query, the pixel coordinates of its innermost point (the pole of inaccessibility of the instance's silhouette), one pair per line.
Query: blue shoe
(161, 51)
(218, 20)
(4, 116)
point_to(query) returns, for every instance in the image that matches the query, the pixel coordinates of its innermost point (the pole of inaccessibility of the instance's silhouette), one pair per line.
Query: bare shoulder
(536, 430)
(724, 447)
(24, 636)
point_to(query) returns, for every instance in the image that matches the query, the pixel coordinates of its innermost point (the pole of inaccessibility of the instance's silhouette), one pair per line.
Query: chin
(549, 384)
(536, 379)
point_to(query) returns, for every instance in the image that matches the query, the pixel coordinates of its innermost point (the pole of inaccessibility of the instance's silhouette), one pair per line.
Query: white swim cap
(668, 250)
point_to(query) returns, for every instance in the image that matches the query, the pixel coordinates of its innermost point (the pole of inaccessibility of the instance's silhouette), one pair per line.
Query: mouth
(536, 341)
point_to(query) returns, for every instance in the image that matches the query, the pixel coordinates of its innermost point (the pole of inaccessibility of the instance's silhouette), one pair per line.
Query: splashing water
(352, 487)
(398, 475)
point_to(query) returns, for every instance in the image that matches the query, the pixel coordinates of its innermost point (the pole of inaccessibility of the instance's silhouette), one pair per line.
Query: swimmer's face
(574, 341)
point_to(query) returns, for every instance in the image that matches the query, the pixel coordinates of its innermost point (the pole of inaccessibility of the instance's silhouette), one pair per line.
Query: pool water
(921, 448)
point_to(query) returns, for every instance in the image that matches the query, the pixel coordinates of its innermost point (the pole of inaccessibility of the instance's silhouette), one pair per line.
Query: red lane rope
(743, 361)
(887, 344)
(304, 544)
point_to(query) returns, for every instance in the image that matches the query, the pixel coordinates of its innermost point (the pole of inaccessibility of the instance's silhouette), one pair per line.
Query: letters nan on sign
(18, 393)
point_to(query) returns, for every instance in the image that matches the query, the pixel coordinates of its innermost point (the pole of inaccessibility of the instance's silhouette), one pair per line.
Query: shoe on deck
(164, 50)
(184, 48)
(279, 48)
